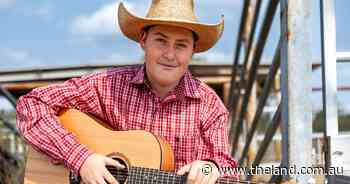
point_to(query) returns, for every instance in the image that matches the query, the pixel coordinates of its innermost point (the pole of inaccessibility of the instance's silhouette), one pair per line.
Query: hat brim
(132, 25)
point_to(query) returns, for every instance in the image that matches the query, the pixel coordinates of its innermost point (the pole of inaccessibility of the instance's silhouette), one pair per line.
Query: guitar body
(135, 148)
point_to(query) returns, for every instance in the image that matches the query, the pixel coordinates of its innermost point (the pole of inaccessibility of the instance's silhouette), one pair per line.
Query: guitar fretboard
(154, 176)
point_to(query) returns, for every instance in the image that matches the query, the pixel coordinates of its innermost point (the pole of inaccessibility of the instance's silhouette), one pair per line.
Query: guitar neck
(147, 175)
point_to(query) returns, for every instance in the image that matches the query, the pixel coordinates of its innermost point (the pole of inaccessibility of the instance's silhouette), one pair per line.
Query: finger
(112, 162)
(200, 177)
(214, 176)
(84, 181)
(109, 178)
(101, 180)
(193, 174)
(184, 169)
(203, 179)
(212, 179)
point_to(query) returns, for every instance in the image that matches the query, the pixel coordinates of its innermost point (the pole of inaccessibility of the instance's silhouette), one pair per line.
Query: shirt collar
(190, 87)
(187, 86)
(139, 77)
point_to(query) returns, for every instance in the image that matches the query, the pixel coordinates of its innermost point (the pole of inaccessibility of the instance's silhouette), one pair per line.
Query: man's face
(168, 51)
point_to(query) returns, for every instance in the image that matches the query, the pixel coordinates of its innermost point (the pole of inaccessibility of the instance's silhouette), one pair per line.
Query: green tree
(343, 121)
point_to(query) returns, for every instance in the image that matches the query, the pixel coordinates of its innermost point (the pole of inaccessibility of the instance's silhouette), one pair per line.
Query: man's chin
(169, 82)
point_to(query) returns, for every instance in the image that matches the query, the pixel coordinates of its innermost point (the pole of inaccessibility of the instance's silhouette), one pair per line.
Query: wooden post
(226, 91)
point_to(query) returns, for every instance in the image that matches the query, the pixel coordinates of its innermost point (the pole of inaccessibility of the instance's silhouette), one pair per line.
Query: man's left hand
(200, 172)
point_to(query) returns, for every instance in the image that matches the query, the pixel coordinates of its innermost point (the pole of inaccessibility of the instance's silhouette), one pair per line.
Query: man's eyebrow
(165, 36)
(183, 40)
(160, 34)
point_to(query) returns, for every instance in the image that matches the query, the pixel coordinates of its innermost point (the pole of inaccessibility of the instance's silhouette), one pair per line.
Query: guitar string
(138, 171)
(157, 176)
(176, 178)
(141, 172)
(170, 175)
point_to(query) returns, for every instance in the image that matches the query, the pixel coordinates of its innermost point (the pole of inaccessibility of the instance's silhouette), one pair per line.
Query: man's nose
(170, 53)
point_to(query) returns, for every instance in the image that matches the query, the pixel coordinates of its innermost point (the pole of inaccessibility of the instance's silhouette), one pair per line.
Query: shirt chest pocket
(185, 149)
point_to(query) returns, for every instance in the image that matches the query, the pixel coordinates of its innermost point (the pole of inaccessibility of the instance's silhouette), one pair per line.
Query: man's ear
(194, 46)
(143, 39)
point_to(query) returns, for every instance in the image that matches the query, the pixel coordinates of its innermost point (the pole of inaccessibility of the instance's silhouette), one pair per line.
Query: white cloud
(6, 3)
(103, 21)
(100, 22)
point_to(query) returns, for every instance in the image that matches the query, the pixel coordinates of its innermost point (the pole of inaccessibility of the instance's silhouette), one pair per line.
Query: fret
(130, 176)
(160, 175)
(168, 175)
(147, 176)
(168, 178)
(137, 176)
(143, 176)
(140, 175)
(173, 178)
(152, 180)
(120, 174)
(155, 175)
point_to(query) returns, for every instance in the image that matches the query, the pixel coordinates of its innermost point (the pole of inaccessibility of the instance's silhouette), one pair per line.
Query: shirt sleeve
(214, 144)
(38, 123)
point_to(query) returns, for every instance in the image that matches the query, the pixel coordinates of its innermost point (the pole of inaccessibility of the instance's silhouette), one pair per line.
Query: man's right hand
(94, 171)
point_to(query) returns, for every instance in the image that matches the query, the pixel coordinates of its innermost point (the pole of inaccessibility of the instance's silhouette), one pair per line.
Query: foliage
(343, 121)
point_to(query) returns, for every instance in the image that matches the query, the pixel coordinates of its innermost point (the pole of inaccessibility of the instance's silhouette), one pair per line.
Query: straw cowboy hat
(171, 12)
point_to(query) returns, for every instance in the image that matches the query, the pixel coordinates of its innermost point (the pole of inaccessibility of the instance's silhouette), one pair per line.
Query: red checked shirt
(191, 118)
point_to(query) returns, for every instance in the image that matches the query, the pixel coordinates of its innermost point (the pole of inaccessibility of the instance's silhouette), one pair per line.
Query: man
(160, 96)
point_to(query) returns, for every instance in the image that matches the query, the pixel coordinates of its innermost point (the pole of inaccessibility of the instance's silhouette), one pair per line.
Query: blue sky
(54, 33)
(51, 33)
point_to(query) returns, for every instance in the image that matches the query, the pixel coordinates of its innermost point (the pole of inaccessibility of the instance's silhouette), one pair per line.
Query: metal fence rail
(256, 58)
(336, 143)
(261, 103)
(239, 43)
(292, 112)
(267, 139)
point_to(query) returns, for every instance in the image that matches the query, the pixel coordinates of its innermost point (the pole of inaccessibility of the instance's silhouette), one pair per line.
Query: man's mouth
(167, 65)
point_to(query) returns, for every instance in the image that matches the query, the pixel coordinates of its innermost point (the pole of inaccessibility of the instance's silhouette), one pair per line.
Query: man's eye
(160, 40)
(181, 46)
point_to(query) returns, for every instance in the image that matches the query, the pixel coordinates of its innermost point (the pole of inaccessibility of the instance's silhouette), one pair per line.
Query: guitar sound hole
(119, 174)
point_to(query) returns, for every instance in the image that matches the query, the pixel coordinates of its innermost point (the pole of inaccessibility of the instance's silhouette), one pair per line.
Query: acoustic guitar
(148, 158)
